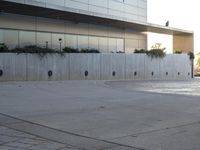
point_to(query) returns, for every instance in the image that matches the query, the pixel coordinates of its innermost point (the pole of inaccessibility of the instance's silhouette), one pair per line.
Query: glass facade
(18, 38)
(71, 41)
(58, 42)
(43, 39)
(26, 38)
(11, 38)
(1, 36)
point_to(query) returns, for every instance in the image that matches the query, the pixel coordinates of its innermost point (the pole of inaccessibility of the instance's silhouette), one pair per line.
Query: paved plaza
(100, 115)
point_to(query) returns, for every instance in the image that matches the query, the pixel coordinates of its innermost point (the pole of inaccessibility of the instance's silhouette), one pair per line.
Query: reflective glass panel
(58, 41)
(103, 45)
(44, 39)
(71, 41)
(94, 42)
(82, 42)
(11, 38)
(1, 36)
(112, 45)
(26, 38)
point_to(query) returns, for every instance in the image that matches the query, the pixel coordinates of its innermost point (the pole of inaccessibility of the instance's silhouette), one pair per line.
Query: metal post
(47, 44)
(60, 40)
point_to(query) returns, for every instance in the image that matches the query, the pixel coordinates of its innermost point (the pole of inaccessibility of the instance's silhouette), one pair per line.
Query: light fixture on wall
(60, 41)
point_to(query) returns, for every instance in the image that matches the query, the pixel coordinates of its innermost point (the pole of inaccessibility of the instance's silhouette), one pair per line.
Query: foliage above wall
(33, 49)
(153, 53)
(178, 52)
(140, 51)
(70, 50)
(3, 48)
(74, 50)
(89, 51)
(191, 55)
(43, 50)
(156, 53)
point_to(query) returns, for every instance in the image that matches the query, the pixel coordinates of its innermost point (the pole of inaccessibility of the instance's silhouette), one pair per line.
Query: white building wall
(132, 10)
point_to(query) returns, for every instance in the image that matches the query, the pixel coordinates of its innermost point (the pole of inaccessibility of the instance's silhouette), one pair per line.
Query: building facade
(105, 25)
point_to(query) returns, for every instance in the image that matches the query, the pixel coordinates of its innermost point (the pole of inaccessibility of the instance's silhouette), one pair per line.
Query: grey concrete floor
(102, 115)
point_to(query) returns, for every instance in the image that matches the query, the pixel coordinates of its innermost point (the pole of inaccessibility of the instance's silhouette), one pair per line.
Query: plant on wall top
(34, 49)
(140, 51)
(156, 53)
(3, 48)
(89, 51)
(191, 55)
(178, 52)
(70, 50)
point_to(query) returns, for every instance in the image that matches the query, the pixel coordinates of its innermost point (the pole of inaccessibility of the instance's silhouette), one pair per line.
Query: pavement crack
(158, 130)
(62, 131)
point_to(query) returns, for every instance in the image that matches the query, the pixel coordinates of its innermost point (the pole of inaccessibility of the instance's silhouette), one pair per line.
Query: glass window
(131, 45)
(112, 45)
(11, 38)
(1, 36)
(120, 45)
(44, 39)
(93, 42)
(26, 38)
(82, 42)
(58, 41)
(71, 41)
(103, 45)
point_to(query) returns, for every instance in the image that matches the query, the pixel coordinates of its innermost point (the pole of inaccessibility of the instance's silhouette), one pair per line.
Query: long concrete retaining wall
(31, 67)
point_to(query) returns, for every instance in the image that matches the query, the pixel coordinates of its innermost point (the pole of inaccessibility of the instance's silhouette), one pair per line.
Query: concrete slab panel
(152, 68)
(106, 66)
(167, 68)
(78, 66)
(140, 66)
(181, 66)
(60, 67)
(13, 67)
(130, 67)
(38, 67)
(94, 66)
(118, 66)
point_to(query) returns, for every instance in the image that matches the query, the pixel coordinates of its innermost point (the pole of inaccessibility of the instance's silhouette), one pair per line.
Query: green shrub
(120, 52)
(156, 53)
(140, 51)
(89, 51)
(33, 49)
(178, 52)
(70, 50)
(191, 55)
(3, 48)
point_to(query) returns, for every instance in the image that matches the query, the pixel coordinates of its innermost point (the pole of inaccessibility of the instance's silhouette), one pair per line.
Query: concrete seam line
(70, 133)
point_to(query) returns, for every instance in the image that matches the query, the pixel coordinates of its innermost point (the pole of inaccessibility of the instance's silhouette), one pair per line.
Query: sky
(183, 14)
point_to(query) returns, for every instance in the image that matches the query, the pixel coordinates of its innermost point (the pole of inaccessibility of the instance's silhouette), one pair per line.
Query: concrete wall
(133, 10)
(32, 67)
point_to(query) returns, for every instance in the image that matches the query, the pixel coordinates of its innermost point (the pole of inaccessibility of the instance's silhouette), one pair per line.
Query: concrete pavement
(149, 115)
